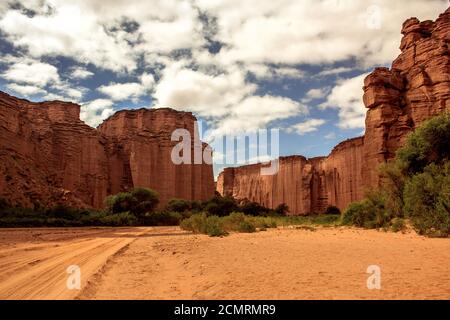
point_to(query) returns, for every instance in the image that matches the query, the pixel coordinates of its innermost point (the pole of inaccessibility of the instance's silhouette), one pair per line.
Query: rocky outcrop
(399, 100)
(416, 88)
(305, 185)
(49, 156)
(139, 150)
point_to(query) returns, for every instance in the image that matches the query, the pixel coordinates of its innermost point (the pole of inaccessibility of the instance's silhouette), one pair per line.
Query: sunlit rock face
(399, 99)
(49, 156)
(416, 88)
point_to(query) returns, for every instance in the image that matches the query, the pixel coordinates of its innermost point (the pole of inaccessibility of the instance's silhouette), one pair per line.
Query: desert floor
(168, 263)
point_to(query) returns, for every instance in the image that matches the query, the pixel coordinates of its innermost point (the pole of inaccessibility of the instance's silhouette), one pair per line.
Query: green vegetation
(416, 186)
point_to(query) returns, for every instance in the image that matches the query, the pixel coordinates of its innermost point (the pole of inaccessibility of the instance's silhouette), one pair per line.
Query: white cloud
(307, 126)
(315, 94)
(123, 91)
(25, 90)
(31, 72)
(81, 73)
(311, 31)
(346, 97)
(335, 71)
(262, 71)
(93, 113)
(208, 95)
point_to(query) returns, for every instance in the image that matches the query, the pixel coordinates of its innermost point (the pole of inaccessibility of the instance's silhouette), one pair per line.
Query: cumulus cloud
(346, 97)
(314, 32)
(25, 90)
(208, 95)
(123, 91)
(315, 94)
(31, 72)
(307, 126)
(93, 113)
(80, 73)
(257, 112)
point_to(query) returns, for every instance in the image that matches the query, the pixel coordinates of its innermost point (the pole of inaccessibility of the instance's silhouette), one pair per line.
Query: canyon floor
(168, 263)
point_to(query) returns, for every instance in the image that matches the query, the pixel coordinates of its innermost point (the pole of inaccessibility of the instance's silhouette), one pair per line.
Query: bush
(164, 218)
(282, 209)
(253, 209)
(332, 210)
(119, 219)
(178, 205)
(370, 213)
(220, 206)
(246, 227)
(201, 223)
(398, 224)
(427, 200)
(428, 144)
(138, 202)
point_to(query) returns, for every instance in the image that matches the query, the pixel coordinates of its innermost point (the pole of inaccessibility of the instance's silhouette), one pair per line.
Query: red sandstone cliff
(416, 88)
(399, 99)
(305, 185)
(48, 155)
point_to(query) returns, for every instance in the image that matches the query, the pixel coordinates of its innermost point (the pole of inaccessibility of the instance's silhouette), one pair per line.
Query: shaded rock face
(416, 88)
(49, 156)
(305, 185)
(400, 99)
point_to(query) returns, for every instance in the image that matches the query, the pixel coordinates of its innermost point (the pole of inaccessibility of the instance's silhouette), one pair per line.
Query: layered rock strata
(49, 156)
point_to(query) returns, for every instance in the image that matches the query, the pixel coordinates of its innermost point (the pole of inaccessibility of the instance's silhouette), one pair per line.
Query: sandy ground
(168, 263)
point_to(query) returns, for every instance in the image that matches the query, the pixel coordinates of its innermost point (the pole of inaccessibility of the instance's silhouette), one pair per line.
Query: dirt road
(167, 263)
(33, 263)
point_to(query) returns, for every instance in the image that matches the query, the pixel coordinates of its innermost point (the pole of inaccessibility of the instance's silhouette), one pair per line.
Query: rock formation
(49, 156)
(399, 100)
(416, 88)
(305, 185)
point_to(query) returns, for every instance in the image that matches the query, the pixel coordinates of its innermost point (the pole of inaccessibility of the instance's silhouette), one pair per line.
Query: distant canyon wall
(399, 100)
(49, 156)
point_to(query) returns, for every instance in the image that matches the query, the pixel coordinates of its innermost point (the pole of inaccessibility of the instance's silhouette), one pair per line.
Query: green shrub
(253, 209)
(282, 209)
(163, 218)
(138, 202)
(428, 144)
(201, 223)
(398, 224)
(178, 205)
(330, 210)
(427, 200)
(119, 219)
(246, 227)
(196, 223)
(214, 228)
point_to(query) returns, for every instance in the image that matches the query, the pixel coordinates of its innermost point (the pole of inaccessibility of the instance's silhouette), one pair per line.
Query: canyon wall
(49, 156)
(416, 88)
(305, 185)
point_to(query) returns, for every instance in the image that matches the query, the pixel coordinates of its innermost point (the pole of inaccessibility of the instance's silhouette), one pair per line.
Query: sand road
(33, 263)
(168, 263)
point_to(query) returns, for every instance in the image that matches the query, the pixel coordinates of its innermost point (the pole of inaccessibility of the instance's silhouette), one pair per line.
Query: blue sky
(293, 65)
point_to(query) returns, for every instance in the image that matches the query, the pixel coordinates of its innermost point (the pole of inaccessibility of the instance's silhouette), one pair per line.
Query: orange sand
(168, 263)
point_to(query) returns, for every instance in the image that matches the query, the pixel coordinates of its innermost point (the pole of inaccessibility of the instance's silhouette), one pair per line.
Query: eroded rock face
(416, 88)
(49, 156)
(400, 99)
(305, 185)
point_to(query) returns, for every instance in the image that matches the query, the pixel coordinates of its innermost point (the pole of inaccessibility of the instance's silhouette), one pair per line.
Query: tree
(282, 209)
(138, 202)
(178, 205)
(428, 144)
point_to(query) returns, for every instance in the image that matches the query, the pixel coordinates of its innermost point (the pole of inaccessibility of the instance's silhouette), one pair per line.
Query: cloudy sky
(294, 65)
